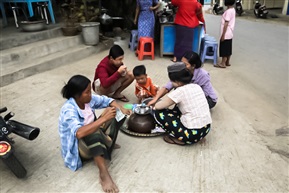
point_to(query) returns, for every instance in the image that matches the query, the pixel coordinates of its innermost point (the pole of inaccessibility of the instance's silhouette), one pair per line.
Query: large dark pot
(141, 121)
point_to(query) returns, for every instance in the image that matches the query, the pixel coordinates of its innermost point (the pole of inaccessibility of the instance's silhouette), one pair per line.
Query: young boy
(144, 87)
(227, 29)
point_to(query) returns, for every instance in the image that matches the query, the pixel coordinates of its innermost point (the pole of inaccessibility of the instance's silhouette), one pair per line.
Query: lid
(142, 109)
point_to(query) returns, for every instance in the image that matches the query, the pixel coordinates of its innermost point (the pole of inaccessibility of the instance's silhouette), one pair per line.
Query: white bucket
(90, 33)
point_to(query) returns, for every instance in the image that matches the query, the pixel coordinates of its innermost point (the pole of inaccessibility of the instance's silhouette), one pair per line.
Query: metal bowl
(31, 26)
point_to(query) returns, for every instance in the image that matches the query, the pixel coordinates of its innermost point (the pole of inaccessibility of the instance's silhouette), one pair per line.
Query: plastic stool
(207, 45)
(205, 38)
(144, 44)
(133, 40)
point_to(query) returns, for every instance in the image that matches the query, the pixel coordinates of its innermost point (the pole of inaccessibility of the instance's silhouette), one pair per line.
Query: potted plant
(70, 12)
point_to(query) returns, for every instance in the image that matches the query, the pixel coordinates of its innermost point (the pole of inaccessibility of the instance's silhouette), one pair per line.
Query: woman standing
(78, 124)
(144, 16)
(190, 120)
(187, 18)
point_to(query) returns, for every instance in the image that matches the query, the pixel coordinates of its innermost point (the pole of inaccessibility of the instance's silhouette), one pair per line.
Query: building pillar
(285, 10)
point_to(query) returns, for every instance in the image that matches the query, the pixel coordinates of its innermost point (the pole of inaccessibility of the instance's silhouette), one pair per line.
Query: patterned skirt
(169, 120)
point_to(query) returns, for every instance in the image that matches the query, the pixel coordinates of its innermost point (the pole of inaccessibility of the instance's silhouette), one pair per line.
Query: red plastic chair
(145, 48)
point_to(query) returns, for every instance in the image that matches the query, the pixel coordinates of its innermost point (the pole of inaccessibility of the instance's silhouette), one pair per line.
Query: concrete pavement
(238, 155)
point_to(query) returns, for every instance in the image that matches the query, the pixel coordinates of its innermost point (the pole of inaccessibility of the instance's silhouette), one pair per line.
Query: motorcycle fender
(5, 149)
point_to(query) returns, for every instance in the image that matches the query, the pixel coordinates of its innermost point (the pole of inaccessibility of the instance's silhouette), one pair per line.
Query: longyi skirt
(225, 48)
(184, 40)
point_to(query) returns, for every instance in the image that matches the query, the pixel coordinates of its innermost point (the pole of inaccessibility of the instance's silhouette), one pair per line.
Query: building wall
(249, 4)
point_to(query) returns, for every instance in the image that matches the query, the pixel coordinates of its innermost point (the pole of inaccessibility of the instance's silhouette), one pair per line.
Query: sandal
(171, 140)
(219, 66)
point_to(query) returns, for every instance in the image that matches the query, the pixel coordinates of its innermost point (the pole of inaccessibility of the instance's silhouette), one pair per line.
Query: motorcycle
(239, 8)
(7, 149)
(217, 9)
(260, 11)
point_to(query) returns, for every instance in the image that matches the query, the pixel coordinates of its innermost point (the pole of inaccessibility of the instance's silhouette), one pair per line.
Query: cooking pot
(105, 19)
(141, 121)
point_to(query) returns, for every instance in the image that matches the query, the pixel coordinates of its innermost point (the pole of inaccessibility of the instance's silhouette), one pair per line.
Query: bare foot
(107, 184)
(203, 141)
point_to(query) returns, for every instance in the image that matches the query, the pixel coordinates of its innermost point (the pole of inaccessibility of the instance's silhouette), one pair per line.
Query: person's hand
(126, 111)
(135, 21)
(122, 69)
(152, 102)
(109, 113)
(152, 8)
(222, 38)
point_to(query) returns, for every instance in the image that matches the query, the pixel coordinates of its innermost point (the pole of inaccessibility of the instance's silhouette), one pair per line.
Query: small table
(30, 8)
(168, 38)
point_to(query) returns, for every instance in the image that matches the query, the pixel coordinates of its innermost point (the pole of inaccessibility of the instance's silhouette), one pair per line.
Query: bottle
(130, 106)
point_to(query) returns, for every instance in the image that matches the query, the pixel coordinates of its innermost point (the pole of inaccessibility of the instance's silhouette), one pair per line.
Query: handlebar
(2, 110)
(21, 129)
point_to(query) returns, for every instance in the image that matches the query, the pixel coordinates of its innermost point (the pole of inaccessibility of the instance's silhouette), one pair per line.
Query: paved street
(246, 150)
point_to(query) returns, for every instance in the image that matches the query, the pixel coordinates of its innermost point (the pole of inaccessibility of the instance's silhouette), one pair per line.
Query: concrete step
(38, 49)
(19, 70)
(12, 37)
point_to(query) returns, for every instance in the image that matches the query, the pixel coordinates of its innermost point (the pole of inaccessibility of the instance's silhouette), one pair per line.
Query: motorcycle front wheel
(256, 13)
(15, 166)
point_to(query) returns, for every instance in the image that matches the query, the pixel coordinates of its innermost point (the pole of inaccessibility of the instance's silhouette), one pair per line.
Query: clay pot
(141, 121)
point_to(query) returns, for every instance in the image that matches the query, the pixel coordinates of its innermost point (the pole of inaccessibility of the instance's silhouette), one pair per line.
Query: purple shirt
(202, 78)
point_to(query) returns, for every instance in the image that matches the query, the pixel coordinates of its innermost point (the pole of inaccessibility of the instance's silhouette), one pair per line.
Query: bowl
(118, 22)
(31, 26)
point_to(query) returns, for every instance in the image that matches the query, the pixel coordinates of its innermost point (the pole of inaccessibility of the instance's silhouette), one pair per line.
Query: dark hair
(139, 70)
(75, 86)
(184, 76)
(229, 2)
(193, 58)
(115, 51)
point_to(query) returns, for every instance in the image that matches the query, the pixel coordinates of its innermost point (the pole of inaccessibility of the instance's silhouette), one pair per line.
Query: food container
(31, 26)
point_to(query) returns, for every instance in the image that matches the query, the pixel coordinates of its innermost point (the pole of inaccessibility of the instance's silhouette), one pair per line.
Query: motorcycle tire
(256, 14)
(15, 166)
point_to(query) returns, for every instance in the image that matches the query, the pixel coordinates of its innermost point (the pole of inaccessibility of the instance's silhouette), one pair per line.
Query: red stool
(145, 48)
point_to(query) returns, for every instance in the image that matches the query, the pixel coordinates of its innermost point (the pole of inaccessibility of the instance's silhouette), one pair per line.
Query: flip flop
(173, 60)
(171, 140)
(123, 99)
(228, 64)
(219, 66)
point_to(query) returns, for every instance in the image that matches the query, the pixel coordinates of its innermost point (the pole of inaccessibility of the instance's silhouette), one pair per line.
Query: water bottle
(130, 106)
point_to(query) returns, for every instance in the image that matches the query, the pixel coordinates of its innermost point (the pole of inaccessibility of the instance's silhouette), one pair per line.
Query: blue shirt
(70, 120)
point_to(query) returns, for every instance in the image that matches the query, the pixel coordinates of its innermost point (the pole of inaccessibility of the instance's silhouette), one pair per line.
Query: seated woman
(190, 120)
(200, 77)
(78, 124)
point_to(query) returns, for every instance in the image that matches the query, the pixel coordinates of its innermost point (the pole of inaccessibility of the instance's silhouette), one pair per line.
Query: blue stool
(133, 40)
(213, 45)
(205, 38)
